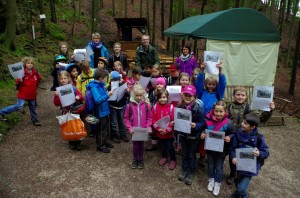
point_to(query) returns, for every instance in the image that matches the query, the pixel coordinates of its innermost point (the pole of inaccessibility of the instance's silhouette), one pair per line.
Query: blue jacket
(246, 140)
(100, 96)
(104, 53)
(209, 99)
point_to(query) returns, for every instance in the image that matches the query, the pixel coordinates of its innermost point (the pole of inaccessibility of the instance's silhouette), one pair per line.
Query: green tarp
(238, 24)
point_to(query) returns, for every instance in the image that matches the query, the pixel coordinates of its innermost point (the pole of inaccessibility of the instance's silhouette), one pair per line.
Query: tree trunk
(162, 13)
(202, 7)
(237, 4)
(281, 16)
(43, 24)
(53, 11)
(170, 24)
(291, 32)
(74, 18)
(113, 7)
(94, 16)
(148, 15)
(223, 5)
(272, 9)
(288, 10)
(9, 36)
(153, 22)
(295, 64)
(141, 9)
(125, 9)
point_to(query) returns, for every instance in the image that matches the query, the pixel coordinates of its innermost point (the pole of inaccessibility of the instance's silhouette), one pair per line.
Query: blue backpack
(89, 102)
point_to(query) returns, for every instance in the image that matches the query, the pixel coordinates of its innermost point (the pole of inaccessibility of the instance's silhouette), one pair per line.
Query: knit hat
(189, 89)
(161, 81)
(114, 75)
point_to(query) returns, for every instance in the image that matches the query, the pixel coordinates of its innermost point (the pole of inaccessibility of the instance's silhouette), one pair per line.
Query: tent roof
(238, 24)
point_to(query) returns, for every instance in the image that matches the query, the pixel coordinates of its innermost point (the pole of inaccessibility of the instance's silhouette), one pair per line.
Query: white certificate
(114, 96)
(262, 97)
(66, 95)
(88, 54)
(144, 81)
(140, 134)
(79, 51)
(78, 57)
(114, 85)
(214, 140)
(183, 119)
(163, 122)
(63, 65)
(121, 91)
(153, 82)
(174, 92)
(245, 160)
(212, 59)
(16, 70)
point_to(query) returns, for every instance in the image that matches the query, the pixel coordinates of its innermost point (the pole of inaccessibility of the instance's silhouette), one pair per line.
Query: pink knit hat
(161, 81)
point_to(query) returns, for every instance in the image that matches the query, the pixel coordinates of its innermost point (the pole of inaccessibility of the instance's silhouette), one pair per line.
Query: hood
(94, 83)
(210, 116)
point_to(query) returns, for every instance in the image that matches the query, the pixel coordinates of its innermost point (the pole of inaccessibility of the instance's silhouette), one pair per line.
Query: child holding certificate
(136, 75)
(188, 141)
(163, 121)
(248, 137)
(64, 79)
(26, 91)
(217, 121)
(138, 117)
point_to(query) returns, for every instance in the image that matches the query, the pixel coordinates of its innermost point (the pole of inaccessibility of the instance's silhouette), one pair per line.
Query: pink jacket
(138, 115)
(159, 111)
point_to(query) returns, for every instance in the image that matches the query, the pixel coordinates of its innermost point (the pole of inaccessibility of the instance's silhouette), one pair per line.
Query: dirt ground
(35, 162)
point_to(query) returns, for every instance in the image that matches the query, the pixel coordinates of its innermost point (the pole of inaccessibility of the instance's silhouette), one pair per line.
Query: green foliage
(109, 12)
(56, 31)
(192, 12)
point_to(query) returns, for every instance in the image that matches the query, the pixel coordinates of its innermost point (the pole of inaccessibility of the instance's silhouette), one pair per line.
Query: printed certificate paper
(245, 160)
(183, 119)
(140, 134)
(262, 97)
(144, 81)
(214, 140)
(66, 95)
(174, 93)
(212, 59)
(119, 92)
(163, 122)
(16, 70)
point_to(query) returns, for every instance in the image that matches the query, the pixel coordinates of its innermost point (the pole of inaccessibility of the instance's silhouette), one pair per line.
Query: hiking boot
(230, 180)
(116, 140)
(234, 195)
(36, 123)
(211, 184)
(124, 138)
(141, 164)
(2, 118)
(134, 164)
(217, 187)
(172, 165)
(189, 179)
(201, 162)
(182, 176)
(72, 147)
(162, 161)
(151, 147)
(108, 144)
(79, 147)
(103, 149)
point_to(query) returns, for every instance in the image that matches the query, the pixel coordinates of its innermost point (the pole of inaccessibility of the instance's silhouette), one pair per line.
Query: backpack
(89, 102)
(258, 144)
(171, 108)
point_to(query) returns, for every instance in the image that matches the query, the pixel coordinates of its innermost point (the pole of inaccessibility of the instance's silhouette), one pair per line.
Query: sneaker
(217, 187)
(108, 144)
(234, 195)
(116, 140)
(36, 123)
(72, 147)
(189, 179)
(134, 164)
(201, 162)
(230, 180)
(124, 138)
(79, 147)
(103, 149)
(2, 118)
(162, 161)
(211, 184)
(178, 148)
(172, 165)
(151, 147)
(182, 176)
(141, 164)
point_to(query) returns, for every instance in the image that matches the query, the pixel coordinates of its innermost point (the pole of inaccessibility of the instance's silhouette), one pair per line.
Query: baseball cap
(189, 89)
(174, 67)
(114, 75)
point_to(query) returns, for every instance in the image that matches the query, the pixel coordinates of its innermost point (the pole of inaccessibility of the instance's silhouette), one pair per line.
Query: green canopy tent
(248, 40)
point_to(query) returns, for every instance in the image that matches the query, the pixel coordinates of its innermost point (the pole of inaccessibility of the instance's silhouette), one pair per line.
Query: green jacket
(146, 58)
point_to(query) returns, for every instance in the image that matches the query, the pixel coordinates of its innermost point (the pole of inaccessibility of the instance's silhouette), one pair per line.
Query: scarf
(189, 106)
(185, 58)
(96, 45)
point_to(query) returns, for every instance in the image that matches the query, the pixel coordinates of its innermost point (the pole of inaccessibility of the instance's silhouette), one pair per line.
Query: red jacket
(56, 99)
(27, 89)
(159, 111)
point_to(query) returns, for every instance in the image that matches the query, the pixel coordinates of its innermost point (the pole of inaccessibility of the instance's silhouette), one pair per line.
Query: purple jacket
(187, 66)
(138, 115)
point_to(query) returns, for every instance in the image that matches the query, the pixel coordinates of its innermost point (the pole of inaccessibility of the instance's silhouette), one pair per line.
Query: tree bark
(237, 4)
(162, 13)
(295, 64)
(170, 24)
(281, 16)
(202, 7)
(9, 36)
(53, 11)
(43, 24)
(94, 16)
(148, 15)
(288, 10)
(141, 9)
(153, 22)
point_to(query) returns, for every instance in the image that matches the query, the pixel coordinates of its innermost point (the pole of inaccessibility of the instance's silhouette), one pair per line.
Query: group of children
(143, 107)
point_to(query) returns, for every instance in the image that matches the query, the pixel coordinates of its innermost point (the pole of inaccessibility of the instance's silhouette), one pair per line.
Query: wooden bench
(278, 114)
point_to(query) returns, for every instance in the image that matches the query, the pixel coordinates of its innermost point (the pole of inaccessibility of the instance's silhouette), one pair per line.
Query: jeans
(232, 168)
(215, 166)
(138, 150)
(243, 182)
(166, 147)
(188, 151)
(20, 103)
(117, 122)
(102, 131)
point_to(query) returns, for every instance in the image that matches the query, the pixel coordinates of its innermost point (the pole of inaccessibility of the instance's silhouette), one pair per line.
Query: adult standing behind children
(26, 91)
(98, 48)
(146, 54)
(186, 60)
(118, 55)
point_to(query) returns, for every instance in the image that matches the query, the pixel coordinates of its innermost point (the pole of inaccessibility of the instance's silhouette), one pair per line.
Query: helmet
(103, 59)
(77, 108)
(71, 66)
(91, 119)
(59, 58)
